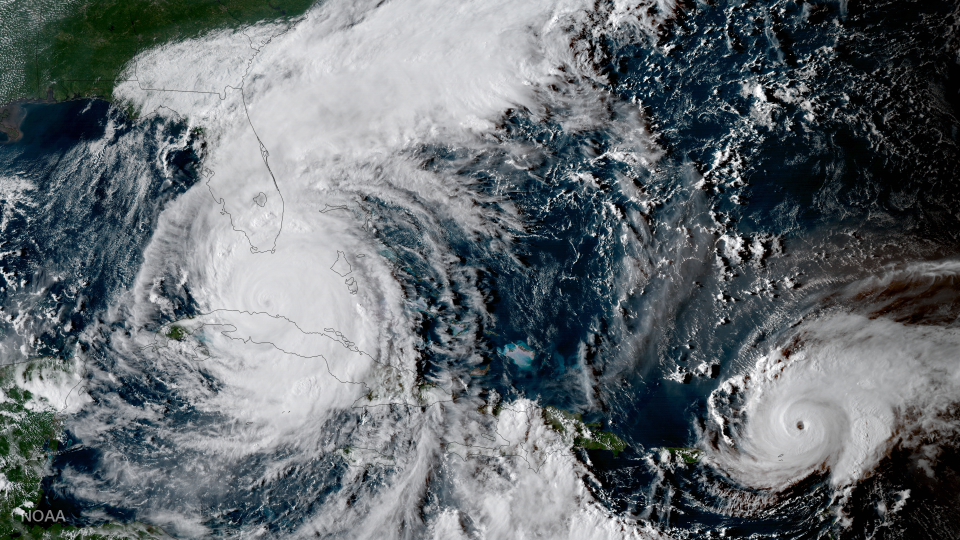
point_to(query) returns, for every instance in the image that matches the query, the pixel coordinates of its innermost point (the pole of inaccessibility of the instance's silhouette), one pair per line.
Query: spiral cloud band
(303, 345)
(845, 388)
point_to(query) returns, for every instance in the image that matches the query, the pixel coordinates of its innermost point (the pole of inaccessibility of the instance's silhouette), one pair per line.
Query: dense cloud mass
(845, 388)
(303, 347)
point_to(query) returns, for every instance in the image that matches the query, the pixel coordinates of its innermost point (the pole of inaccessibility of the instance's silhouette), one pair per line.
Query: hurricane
(848, 386)
(299, 339)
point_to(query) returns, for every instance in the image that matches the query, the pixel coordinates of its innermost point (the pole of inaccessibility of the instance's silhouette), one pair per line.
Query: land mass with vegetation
(54, 51)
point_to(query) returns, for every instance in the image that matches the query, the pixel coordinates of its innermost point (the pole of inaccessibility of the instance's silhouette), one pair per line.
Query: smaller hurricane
(847, 386)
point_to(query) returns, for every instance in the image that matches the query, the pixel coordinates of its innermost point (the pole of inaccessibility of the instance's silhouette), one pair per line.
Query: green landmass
(10, 117)
(586, 436)
(29, 438)
(603, 440)
(78, 48)
(176, 332)
(688, 455)
(24, 439)
(560, 420)
(422, 391)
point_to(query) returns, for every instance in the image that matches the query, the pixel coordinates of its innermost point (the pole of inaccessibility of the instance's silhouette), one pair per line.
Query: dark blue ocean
(79, 221)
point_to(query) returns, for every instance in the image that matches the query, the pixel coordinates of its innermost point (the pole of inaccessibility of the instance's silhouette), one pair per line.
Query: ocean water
(82, 192)
(726, 228)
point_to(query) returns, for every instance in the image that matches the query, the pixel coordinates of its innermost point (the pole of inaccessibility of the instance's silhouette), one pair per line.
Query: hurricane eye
(799, 425)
